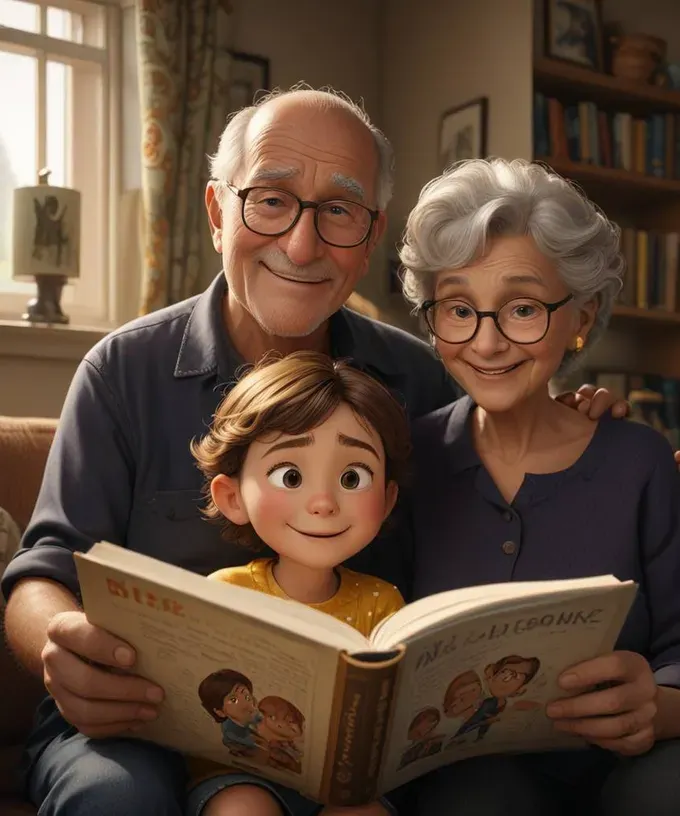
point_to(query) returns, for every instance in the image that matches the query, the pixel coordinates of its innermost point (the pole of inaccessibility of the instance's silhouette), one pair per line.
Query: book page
(239, 692)
(428, 612)
(480, 685)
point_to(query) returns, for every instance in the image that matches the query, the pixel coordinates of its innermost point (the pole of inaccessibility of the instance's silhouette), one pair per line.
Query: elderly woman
(514, 272)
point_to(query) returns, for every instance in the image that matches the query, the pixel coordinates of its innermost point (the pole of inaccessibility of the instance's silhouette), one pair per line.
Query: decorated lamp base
(46, 306)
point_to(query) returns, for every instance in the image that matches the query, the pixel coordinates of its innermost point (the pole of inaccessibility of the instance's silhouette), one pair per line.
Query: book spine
(358, 726)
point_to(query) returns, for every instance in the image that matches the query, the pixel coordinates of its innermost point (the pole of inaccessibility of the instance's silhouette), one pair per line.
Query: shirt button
(508, 515)
(509, 547)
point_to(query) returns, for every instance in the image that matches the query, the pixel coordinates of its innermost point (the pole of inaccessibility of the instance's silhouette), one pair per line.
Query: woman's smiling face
(496, 372)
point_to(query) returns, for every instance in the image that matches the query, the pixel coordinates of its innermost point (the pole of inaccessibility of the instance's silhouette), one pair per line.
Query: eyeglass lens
(522, 320)
(271, 212)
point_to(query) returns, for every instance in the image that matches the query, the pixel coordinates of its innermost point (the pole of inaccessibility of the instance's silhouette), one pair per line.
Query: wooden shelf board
(655, 316)
(554, 74)
(614, 178)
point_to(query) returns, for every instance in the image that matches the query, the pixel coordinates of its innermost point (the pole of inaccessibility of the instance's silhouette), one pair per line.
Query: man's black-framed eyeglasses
(522, 320)
(273, 212)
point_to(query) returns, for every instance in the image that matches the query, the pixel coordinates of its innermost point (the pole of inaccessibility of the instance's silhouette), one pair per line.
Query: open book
(290, 693)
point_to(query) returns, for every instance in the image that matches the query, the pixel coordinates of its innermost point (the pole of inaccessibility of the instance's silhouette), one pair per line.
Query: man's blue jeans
(68, 774)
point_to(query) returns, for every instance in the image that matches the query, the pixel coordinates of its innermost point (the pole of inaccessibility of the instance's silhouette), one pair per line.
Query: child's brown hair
(430, 714)
(467, 678)
(278, 706)
(293, 395)
(533, 665)
(218, 685)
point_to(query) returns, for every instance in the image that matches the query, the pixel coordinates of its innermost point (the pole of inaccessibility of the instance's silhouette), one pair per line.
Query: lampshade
(45, 231)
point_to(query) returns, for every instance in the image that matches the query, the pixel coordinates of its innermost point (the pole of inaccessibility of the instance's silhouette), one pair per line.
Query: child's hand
(620, 718)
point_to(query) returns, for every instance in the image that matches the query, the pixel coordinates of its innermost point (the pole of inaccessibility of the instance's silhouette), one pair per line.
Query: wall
(37, 365)
(438, 55)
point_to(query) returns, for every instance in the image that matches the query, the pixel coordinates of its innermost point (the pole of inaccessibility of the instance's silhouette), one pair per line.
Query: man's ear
(226, 493)
(379, 228)
(391, 494)
(212, 205)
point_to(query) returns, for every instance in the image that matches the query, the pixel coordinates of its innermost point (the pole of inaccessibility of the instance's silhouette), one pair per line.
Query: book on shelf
(583, 132)
(455, 675)
(651, 276)
(654, 400)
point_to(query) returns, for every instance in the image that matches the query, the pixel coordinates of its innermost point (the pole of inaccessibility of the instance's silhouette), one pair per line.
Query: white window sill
(47, 342)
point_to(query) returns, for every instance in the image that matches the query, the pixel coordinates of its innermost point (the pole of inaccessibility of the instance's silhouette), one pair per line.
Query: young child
(304, 456)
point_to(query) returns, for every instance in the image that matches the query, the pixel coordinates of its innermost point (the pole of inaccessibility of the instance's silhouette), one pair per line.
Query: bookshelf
(557, 77)
(634, 198)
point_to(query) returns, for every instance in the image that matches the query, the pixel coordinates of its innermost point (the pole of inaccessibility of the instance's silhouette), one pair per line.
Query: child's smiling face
(317, 498)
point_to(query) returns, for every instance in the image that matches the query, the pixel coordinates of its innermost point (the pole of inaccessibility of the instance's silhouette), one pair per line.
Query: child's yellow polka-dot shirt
(361, 600)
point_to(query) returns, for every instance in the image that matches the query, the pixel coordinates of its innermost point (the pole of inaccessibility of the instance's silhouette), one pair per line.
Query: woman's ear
(586, 317)
(226, 493)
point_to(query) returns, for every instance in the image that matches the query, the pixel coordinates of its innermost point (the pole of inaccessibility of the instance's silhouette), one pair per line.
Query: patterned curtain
(183, 79)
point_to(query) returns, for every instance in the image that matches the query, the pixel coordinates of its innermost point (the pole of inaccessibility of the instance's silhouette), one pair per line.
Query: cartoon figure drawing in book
(424, 743)
(506, 678)
(304, 456)
(282, 726)
(228, 697)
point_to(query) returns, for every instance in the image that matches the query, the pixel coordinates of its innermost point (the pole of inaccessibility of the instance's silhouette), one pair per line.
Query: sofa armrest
(24, 445)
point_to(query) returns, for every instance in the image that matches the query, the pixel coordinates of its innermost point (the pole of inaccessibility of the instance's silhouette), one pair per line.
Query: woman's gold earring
(578, 346)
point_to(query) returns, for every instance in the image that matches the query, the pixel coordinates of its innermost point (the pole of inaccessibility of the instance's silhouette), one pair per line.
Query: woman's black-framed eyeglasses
(273, 212)
(520, 320)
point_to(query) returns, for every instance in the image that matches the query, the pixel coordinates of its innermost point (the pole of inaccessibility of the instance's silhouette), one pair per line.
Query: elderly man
(296, 206)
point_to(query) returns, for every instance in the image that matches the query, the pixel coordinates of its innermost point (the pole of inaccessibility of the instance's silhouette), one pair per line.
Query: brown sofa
(24, 444)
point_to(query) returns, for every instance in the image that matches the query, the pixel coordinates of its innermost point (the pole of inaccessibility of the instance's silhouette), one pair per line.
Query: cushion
(9, 539)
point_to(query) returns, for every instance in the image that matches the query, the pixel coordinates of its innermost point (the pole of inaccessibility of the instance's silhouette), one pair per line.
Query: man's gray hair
(228, 160)
(459, 212)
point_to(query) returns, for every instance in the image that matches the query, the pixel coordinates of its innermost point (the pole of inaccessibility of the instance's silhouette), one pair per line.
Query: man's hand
(619, 718)
(98, 701)
(594, 402)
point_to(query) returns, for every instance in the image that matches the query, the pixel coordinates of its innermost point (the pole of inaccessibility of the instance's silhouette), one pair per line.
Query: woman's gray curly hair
(459, 212)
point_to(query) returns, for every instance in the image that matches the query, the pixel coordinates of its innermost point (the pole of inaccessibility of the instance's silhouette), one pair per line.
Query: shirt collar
(462, 455)
(458, 442)
(206, 347)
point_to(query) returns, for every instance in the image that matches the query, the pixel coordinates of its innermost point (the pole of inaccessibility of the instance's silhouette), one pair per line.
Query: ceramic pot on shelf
(637, 56)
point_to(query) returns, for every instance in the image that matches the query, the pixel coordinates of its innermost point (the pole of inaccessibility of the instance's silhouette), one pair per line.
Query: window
(59, 97)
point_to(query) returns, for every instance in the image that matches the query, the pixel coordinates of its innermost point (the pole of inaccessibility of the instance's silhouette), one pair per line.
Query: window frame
(91, 300)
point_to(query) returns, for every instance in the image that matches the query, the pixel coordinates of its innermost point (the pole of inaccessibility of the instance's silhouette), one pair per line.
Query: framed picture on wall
(249, 74)
(573, 32)
(462, 132)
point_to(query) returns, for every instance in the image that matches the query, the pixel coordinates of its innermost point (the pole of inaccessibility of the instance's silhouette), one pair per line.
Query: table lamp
(46, 245)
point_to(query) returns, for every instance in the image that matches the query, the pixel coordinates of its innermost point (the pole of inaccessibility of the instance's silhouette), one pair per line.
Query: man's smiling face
(292, 283)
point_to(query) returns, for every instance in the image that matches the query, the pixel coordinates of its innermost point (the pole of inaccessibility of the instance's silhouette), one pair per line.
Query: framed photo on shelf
(462, 132)
(573, 32)
(249, 74)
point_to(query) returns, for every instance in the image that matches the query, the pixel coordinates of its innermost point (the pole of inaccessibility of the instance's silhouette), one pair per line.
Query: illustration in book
(268, 732)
